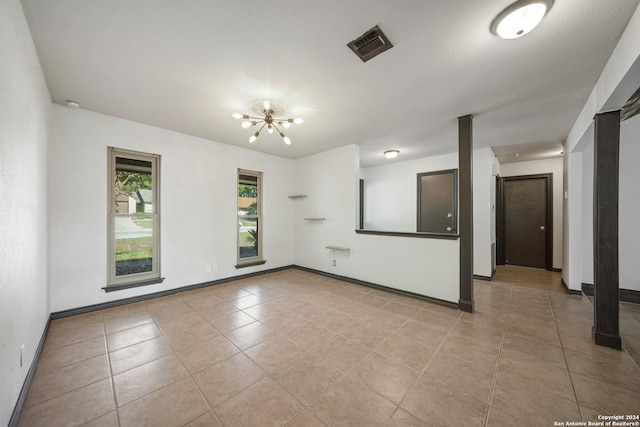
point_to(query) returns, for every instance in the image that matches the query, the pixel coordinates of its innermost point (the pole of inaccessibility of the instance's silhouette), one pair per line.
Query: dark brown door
(437, 198)
(526, 221)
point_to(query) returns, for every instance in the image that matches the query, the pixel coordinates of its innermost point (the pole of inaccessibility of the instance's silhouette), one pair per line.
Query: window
(134, 219)
(249, 218)
(438, 201)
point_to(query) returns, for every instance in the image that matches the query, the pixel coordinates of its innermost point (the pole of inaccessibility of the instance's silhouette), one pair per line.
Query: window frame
(115, 282)
(259, 258)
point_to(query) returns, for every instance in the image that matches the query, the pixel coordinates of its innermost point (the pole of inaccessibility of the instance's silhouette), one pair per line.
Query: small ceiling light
(267, 112)
(391, 154)
(520, 18)
(72, 104)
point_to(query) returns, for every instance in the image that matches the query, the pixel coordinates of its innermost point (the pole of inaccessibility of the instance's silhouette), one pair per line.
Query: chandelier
(268, 113)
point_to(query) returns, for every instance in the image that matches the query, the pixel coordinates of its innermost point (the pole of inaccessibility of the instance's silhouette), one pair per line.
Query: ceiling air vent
(370, 44)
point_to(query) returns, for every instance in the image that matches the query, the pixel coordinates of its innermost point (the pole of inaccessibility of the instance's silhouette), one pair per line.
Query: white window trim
(259, 259)
(137, 279)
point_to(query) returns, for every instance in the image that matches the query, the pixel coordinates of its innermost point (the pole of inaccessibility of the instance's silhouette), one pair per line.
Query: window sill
(130, 285)
(445, 236)
(250, 264)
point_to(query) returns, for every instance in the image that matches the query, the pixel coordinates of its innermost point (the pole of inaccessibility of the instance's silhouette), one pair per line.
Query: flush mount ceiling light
(520, 18)
(268, 112)
(391, 154)
(72, 104)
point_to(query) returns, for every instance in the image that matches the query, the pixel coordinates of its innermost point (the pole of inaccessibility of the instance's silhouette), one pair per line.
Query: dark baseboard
(116, 303)
(485, 278)
(557, 270)
(380, 287)
(626, 295)
(15, 415)
(569, 291)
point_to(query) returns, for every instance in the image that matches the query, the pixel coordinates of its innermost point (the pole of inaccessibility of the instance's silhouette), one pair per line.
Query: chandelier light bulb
(267, 114)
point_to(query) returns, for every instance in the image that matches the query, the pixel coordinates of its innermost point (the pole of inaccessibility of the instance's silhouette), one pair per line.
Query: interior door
(525, 222)
(437, 199)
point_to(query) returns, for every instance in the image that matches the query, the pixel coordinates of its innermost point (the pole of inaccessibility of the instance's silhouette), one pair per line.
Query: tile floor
(298, 349)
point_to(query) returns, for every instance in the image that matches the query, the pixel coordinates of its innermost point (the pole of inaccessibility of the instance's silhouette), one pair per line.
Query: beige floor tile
(63, 336)
(401, 309)
(431, 335)
(497, 418)
(172, 307)
(366, 335)
(439, 404)
(535, 406)
(306, 377)
(208, 419)
(483, 355)
(193, 335)
(308, 334)
(332, 320)
(533, 350)
(402, 418)
(207, 352)
(174, 324)
(204, 301)
(107, 420)
(249, 335)
(70, 354)
(349, 403)
(604, 397)
(263, 403)
(390, 379)
(227, 378)
(538, 376)
(173, 405)
(135, 383)
(74, 408)
(409, 352)
(231, 321)
(139, 354)
(372, 300)
(230, 293)
(462, 375)
(131, 336)
(274, 353)
(546, 332)
(48, 384)
(306, 419)
(215, 311)
(386, 320)
(616, 368)
(127, 322)
(340, 352)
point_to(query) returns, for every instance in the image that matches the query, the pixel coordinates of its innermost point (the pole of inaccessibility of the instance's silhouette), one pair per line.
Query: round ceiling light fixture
(520, 18)
(391, 154)
(72, 104)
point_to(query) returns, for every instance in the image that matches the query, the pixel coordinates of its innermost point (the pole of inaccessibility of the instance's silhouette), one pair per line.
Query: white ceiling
(187, 66)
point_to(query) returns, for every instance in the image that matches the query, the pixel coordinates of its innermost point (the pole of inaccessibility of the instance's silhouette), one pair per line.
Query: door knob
(542, 227)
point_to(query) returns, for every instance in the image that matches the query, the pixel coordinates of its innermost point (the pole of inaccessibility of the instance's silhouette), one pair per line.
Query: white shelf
(315, 219)
(338, 248)
(298, 196)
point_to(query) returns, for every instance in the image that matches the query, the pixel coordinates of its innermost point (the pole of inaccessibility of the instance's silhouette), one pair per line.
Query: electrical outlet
(207, 268)
(22, 355)
(334, 262)
(215, 267)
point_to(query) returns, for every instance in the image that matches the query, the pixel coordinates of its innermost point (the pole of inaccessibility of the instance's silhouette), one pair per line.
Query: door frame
(500, 216)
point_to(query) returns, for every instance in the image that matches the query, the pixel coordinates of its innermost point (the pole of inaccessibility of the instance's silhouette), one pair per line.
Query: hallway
(299, 349)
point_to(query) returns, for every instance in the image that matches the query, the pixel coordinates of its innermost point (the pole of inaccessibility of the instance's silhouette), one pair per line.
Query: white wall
(330, 180)
(24, 111)
(483, 211)
(629, 203)
(198, 211)
(390, 192)
(587, 214)
(555, 167)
